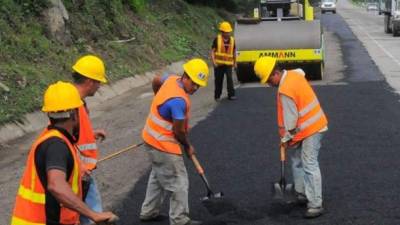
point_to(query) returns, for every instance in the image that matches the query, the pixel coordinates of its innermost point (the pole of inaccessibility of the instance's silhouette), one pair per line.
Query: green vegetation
(132, 36)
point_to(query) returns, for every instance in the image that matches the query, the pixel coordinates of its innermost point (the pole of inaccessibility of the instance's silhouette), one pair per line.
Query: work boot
(194, 222)
(154, 218)
(314, 212)
(232, 98)
(301, 199)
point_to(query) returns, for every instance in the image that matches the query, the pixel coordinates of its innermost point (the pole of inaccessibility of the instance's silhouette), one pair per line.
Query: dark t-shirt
(53, 154)
(226, 42)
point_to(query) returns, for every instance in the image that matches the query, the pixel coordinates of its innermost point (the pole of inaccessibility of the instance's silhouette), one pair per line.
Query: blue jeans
(92, 200)
(306, 172)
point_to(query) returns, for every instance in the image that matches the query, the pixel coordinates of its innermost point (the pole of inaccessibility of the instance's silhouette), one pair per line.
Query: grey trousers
(306, 172)
(168, 175)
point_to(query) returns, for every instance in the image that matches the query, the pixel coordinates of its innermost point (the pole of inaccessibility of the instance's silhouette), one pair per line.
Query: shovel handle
(283, 153)
(120, 152)
(197, 164)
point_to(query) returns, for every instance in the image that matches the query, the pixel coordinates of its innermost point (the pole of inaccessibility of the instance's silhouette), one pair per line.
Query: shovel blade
(212, 196)
(283, 192)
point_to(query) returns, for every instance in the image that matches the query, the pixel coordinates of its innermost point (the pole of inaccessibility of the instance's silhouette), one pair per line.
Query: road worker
(224, 59)
(88, 74)
(165, 130)
(302, 123)
(50, 190)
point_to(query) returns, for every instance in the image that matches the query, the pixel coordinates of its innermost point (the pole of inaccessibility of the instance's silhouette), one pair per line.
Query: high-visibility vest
(223, 54)
(158, 132)
(87, 142)
(311, 116)
(31, 198)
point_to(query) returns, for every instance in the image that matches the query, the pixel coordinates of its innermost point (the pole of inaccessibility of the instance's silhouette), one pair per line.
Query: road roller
(285, 30)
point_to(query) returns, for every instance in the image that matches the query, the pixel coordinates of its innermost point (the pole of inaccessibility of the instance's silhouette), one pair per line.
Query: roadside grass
(130, 38)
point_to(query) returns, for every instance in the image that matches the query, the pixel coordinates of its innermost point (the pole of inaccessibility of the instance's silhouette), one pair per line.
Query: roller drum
(270, 35)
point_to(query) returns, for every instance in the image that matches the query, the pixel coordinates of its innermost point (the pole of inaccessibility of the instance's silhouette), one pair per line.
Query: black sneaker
(314, 212)
(217, 99)
(232, 98)
(159, 217)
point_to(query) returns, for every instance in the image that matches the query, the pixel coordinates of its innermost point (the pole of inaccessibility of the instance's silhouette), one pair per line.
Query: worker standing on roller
(301, 123)
(224, 59)
(50, 190)
(165, 130)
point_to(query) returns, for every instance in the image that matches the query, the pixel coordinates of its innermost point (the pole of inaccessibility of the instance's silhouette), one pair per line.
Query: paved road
(383, 48)
(237, 141)
(238, 145)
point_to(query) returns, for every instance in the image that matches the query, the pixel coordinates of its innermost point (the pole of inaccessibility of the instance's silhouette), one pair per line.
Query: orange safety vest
(31, 199)
(87, 142)
(223, 55)
(311, 116)
(158, 132)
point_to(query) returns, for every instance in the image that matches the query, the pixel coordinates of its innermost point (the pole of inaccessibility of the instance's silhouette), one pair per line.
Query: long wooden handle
(120, 152)
(283, 153)
(197, 164)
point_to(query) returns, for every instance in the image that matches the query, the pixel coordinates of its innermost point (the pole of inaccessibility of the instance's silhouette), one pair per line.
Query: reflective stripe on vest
(223, 55)
(305, 124)
(162, 123)
(28, 194)
(309, 107)
(158, 136)
(311, 116)
(30, 202)
(87, 147)
(18, 221)
(87, 141)
(158, 132)
(88, 160)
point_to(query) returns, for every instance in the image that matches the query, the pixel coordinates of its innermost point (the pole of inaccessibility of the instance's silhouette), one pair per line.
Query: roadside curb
(38, 120)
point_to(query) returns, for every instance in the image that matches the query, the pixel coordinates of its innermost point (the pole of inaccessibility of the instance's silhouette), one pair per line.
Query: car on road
(372, 7)
(328, 6)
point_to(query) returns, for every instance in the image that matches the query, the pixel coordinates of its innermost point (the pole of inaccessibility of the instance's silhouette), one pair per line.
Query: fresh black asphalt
(238, 146)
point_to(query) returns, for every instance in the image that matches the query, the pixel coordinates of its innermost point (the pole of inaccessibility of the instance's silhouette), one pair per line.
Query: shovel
(200, 170)
(282, 190)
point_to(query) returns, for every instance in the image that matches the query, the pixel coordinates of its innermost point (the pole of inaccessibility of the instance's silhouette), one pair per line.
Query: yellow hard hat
(225, 27)
(61, 96)
(263, 68)
(197, 70)
(91, 67)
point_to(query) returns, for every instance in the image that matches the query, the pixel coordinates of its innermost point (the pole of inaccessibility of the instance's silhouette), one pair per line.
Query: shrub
(137, 5)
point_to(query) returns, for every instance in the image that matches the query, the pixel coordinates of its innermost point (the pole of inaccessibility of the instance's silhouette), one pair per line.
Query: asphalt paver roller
(283, 29)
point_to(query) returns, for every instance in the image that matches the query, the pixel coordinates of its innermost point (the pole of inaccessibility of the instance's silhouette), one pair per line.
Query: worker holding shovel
(302, 123)
(165, 130)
